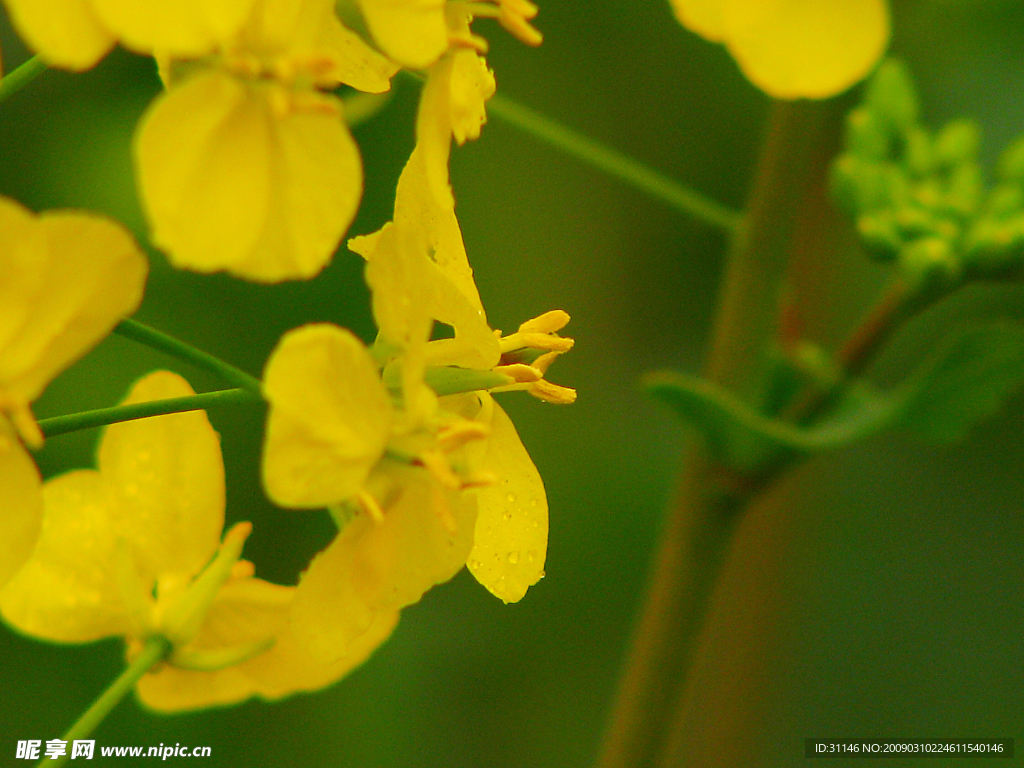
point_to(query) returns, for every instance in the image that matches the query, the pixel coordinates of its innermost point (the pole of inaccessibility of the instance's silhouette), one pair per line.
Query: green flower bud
(994, 247)
(880, 235)
(1005, 200)
(1011, 162)
(930, 261)
(892, 97)
(861, 186)
(919, 156)
(957, 143)
(965, 190)
(866, 135)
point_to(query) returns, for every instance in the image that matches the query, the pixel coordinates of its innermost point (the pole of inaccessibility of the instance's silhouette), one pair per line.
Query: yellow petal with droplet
(806, 48)
(21, 502)
(329, 419)
(69, 277)
(182, 28)
(375, 568)
(69, 591)
(65, 33)
(511, 537)
(167, 475)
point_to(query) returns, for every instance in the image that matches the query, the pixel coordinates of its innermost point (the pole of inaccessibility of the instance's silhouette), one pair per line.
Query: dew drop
(474, 563)
(531, 556)
(511, 498)
(507, 516)
(533, 502)
(513, 556)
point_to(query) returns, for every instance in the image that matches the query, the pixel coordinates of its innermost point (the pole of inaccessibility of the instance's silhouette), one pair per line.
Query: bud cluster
(919, 198)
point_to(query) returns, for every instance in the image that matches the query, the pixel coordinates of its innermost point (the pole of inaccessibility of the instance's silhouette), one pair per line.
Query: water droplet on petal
(507, 516)
(513, 556)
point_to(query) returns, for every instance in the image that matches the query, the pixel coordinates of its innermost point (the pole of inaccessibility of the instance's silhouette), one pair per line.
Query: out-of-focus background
(884, 597)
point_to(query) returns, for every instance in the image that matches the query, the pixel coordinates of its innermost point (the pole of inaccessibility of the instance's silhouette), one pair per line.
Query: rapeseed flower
(133, 549)
(75, 34)
(245, 165)
(794, 48)
(68, 278)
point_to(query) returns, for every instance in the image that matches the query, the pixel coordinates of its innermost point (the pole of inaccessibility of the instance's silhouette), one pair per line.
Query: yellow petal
(247, 178)
(183, 28)
(412, 32)
(21, 503)
(329, 418)
(66, 33)
(305, 38)
(511, 537)
(69, 277)
(68, 591)
(705, 17)
(376, 568)
(472, 84)
(167, 476)
(248, 611)
(806, 48)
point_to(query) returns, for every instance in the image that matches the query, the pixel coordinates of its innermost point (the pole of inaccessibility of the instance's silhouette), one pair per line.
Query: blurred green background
(883, 598)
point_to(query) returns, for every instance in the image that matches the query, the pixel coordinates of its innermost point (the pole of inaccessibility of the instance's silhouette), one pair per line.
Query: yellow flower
(330, 429)
(68, 278)
(794, 48)
(244, 165)
(75, 34)
(416, 33)
(133, 549)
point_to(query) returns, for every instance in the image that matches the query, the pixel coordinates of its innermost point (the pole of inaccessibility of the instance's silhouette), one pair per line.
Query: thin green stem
(155, 650)
(614, 163)
(18, 78)
(100, 417)
(133, 329)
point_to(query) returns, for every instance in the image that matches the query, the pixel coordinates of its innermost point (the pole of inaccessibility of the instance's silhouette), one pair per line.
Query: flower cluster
(245, 165)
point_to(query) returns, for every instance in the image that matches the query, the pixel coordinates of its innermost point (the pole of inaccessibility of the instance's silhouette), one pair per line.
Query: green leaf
(744, 439)
(968, 380)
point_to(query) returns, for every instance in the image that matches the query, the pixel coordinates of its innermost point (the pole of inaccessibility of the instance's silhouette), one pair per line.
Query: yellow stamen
(521, 372)
(549, 322)
(370, 506)
(552, 393)
(459, 434)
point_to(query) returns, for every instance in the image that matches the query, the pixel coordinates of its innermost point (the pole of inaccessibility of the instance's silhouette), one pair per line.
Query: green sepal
(207, 660)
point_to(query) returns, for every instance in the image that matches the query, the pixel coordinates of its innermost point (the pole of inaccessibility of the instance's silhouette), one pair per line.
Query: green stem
(100, 417)
(614, 163)
(18, 78)
(708, 504)
(155, 649)
(133, 329)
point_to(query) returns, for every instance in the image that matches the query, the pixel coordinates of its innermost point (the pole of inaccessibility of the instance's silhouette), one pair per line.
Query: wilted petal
(65, 33)
(69, 277)
(251, 179)
(167, 475)
(329, 420)
(21, 503)
(511, 537)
